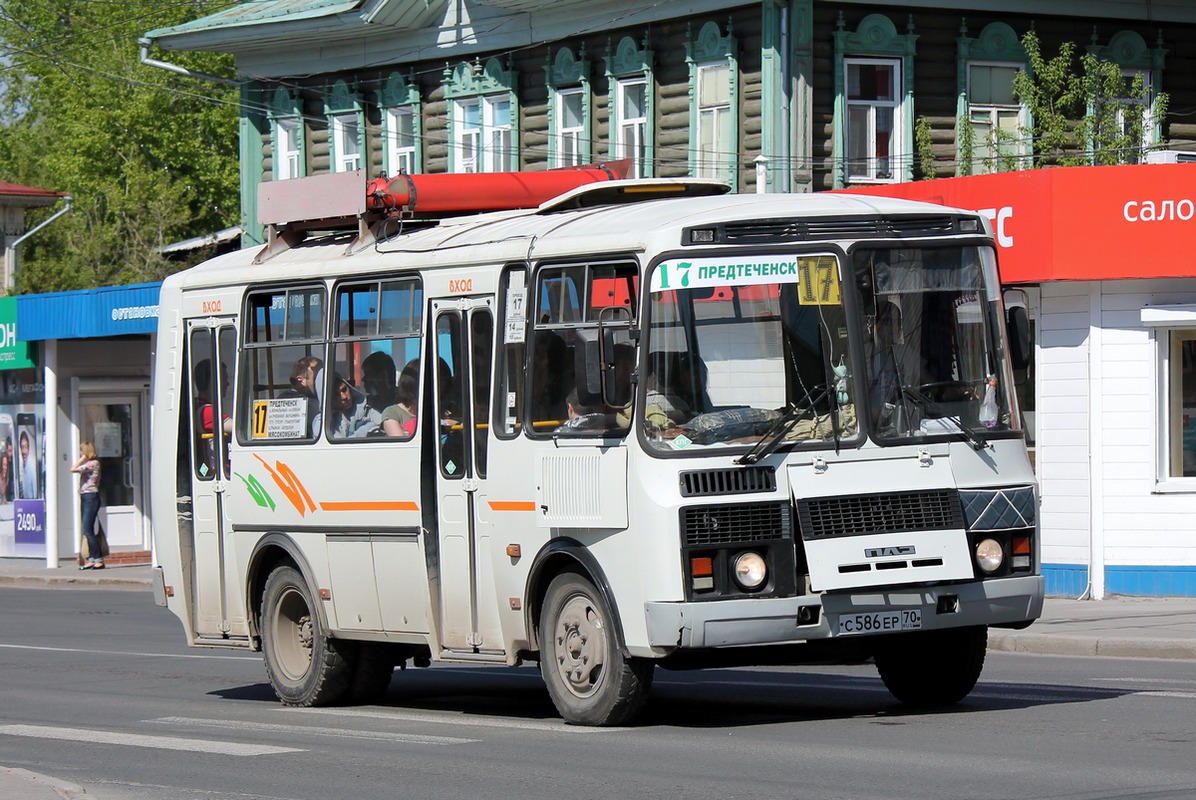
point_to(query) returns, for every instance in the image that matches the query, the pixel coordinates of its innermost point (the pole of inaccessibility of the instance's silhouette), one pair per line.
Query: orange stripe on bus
(512, 505)
(398, 505)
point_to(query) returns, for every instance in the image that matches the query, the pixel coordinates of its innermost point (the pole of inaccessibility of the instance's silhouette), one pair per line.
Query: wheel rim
(293, 634)
(580, 645)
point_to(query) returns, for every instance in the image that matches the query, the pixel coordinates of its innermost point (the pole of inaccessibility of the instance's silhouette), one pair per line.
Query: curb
(71, 581)
(1106, 646)
(62, 789)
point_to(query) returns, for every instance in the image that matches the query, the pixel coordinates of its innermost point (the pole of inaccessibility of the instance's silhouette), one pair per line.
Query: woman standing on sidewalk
(88, 468)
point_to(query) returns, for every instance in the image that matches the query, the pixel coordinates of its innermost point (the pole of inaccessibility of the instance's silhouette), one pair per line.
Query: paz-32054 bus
(636, 424)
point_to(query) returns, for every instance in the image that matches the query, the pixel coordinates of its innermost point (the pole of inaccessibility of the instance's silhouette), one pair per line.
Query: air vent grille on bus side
(856, 515)
(813, 229)
(703, 526)
(737, 480)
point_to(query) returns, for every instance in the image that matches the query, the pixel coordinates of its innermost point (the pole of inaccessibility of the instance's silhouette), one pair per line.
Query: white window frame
(1148, 121)
(1178, 409)
(716, 158)
(400, 153)
(1170, 325)
(631, 133)
(986, 155)
(896, 157)
(287, 149)
(486, 146)
(346, 142)
(570, 138)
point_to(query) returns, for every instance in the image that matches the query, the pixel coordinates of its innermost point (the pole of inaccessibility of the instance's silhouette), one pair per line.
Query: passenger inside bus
(303, 385)
(378, 381)
(399, 419)
(352, 416)
(203, 399)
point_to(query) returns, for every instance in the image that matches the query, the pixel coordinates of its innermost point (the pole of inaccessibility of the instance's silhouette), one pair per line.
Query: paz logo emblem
(896, 550)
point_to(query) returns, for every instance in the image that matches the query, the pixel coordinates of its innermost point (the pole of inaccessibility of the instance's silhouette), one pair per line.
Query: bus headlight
(750, 570)
(990, 555)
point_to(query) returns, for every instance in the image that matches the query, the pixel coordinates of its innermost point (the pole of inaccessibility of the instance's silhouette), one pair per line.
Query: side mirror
(604, 360)
(1017, 321)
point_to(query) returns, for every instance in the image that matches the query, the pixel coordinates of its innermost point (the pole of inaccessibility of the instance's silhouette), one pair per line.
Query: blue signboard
(89, 313)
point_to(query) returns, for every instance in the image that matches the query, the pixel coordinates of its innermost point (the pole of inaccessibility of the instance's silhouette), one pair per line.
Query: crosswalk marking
(446, 718)
(137, 740)
(268, 727)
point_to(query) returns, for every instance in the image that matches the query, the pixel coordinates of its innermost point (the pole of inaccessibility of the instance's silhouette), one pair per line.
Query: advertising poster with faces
(22, 463)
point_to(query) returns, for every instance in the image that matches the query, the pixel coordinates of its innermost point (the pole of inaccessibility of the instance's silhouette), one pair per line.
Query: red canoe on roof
(459, 193)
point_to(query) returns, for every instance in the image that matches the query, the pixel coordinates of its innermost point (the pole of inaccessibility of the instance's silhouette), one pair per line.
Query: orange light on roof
(701, 566)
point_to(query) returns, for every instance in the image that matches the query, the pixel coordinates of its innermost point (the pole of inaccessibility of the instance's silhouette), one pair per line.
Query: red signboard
(1077, 223)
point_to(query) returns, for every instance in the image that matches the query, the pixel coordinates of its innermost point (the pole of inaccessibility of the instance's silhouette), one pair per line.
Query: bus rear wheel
(589, 679)
(931, 669)
(305, 666)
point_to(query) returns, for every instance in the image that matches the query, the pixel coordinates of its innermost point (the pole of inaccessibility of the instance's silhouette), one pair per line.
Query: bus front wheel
(589, 679)
(929, 669)
(305, 666)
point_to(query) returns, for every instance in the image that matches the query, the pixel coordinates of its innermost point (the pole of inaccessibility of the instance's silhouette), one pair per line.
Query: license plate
(909, 619)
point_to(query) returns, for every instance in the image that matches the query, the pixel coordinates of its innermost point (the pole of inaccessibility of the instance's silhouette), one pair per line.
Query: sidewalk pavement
(1116, 627)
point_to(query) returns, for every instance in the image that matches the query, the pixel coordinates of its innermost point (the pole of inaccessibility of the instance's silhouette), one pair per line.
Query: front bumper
(763, 621)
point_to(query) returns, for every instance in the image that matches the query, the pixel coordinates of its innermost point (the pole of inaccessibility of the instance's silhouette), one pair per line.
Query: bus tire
(305, 666)
(931, 669)
(589, 679)
(373, 666)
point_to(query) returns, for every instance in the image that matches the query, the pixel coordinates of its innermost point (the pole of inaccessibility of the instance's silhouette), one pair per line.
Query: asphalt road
(99, 690)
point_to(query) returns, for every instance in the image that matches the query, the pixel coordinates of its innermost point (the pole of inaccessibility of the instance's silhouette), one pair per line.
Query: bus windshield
(761, 351)
(936, 363)
(745, 352)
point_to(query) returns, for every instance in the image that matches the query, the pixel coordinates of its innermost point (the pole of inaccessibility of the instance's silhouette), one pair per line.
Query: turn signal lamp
(1022, 553)
(701, 568)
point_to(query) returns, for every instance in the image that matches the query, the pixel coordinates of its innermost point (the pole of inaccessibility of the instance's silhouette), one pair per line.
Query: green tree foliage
(1084, 115)
(150, 157)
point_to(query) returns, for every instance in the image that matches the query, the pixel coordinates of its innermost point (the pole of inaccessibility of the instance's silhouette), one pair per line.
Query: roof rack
(344, 201)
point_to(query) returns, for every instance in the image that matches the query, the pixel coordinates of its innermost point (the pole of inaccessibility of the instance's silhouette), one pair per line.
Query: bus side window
(282, 364)
(377, 335)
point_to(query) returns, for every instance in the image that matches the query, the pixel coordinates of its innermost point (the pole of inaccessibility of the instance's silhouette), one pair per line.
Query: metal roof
(14, 194)
(259, 13)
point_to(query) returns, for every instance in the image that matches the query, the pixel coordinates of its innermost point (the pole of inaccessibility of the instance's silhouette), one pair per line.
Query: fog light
(990, 555)
(750, 570)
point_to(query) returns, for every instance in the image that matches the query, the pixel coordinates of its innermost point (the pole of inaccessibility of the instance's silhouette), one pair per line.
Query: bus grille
(702, 526)
(811, 229)
(739, 480)
(856, 515)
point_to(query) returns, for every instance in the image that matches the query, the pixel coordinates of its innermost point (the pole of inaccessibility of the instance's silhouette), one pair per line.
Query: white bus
(645, 423)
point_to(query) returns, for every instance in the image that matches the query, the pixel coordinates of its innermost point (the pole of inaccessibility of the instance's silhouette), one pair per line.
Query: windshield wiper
(771, 439)
(972, 436)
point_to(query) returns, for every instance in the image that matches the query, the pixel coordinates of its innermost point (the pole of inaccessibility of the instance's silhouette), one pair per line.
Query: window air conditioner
(1171, 157)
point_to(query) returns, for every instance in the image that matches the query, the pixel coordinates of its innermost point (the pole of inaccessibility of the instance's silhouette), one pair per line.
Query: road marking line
(267, 727)
(448, 719)
(137, 740)
(1153, 693)
(254, 657)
